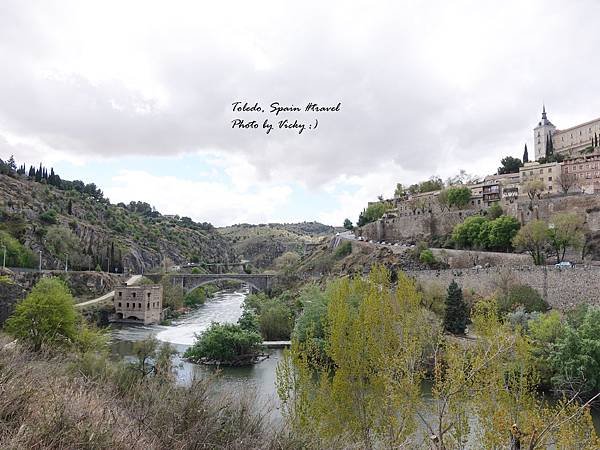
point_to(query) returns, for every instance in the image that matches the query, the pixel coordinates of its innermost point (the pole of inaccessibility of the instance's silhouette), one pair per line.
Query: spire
(525, 155)
(543, 111)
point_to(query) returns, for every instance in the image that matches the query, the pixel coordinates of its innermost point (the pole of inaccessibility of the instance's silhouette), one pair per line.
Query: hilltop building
(568, 142)
(138, 304)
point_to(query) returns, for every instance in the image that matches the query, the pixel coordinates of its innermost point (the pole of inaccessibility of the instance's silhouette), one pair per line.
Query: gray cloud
(422, 87)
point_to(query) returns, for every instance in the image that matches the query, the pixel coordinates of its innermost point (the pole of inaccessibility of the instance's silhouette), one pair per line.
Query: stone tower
(541, 133)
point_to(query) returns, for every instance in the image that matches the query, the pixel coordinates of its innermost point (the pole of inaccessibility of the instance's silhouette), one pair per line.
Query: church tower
(541, 133)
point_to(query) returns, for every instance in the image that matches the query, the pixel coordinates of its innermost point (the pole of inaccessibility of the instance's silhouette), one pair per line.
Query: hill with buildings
(69, 222)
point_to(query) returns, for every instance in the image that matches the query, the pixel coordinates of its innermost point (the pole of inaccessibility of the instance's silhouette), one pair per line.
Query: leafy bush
(194, 298)
(49, 217)
(426, 257)
(46, 316)
(481, 232)
(343, 250)
(575, 358)
(523, 295)
(226, 343)
(276, 321)
(16, 254)
(373, 212)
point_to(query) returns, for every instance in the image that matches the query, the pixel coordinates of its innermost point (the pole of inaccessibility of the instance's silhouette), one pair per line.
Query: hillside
(262, 244)
(75, 219)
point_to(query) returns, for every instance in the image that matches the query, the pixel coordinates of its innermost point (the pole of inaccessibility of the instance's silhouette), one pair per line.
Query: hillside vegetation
(70, 218)
(262, 244)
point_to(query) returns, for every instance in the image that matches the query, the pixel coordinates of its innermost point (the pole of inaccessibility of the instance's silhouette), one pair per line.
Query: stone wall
(466, 259)
(10, 294)
(414, 227)
(83, 285)
(563, 288)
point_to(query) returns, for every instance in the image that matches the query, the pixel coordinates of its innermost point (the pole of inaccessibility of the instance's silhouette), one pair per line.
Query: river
(225, 306)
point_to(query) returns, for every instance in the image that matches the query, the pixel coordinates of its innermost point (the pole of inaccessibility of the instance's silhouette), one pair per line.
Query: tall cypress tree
(455, 318)
(525, 155)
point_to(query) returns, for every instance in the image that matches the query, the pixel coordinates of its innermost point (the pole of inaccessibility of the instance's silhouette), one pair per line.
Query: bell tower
(541, 133)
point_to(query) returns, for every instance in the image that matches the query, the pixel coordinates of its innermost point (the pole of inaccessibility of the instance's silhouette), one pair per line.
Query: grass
(87, 402)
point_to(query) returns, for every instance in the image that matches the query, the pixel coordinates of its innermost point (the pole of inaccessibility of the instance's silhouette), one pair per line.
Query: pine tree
(11, 163)
(70, 207)
(31, 172)
(455, 319)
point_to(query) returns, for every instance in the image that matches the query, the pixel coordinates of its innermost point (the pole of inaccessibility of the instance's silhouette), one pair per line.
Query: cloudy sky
(137, 96)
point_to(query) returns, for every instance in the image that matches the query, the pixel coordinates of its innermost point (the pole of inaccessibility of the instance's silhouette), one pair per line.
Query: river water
(225, 306)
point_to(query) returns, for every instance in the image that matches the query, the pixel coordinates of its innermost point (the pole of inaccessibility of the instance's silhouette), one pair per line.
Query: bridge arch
(204, 283)
(188, 281)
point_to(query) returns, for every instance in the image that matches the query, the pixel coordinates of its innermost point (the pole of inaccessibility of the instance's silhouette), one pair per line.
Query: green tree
(576, 356)
(495, 211)
(16, 254)
(442, 200)
(195, 297)
(46, 316)
(400, 191)
(567, 231)
(468, 233)
(226, 343)
(348, 224)
(456, 314)
(509, 165)
(501, 232)
(375, 341)
(459, 196)
(373, 212)
(525, 296)
(533, 237)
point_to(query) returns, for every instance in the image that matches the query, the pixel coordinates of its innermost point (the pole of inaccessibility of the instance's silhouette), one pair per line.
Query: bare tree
(566, 181)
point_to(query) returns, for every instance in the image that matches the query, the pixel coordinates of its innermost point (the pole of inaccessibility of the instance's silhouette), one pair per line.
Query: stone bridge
(189, 282)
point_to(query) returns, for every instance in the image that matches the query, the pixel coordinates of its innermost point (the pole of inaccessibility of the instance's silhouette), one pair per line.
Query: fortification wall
(420, 226)
(563, 289)
(466, 259)
(415, 226)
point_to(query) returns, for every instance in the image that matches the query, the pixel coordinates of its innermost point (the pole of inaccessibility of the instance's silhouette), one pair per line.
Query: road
(133, 280)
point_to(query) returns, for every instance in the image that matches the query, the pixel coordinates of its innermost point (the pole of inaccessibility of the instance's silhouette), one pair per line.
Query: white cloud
(425, 88)
(221, 203)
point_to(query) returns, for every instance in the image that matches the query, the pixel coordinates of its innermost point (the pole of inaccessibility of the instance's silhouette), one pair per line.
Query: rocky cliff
(262, 244)
(95, 233)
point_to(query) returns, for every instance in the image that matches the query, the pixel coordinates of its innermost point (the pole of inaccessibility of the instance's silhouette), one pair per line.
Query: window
(120, 293)
(549, 170)
(134, 295)
(127, 304)
(550, 187)
(148, 294)
(119, 304)
(139, 305)
(148, 305)
(549, 178)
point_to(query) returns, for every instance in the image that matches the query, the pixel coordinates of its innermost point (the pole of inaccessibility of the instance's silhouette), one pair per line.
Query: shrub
(276, 321)
(49, 217)
(344, 249)
(523, 295)
(226, 343)
(16, 254)
(46, 316)
(196, 297)
(426, 257)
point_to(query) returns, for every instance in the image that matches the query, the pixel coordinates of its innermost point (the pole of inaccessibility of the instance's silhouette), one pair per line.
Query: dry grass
(68, 402)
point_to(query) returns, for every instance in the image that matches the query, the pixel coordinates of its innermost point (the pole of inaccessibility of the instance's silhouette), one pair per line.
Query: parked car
(563, 264)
